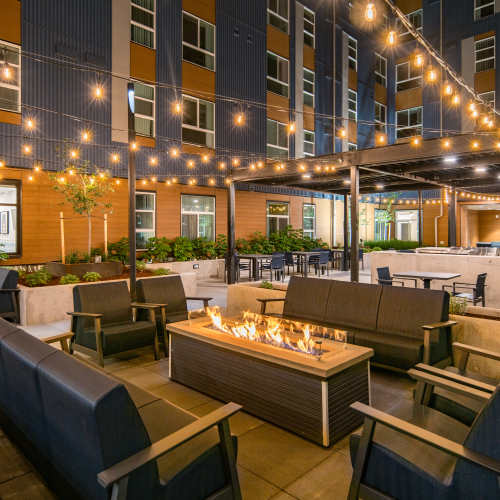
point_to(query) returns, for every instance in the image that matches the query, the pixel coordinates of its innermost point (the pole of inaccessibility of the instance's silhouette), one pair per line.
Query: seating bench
(404, 326)
(93, 435)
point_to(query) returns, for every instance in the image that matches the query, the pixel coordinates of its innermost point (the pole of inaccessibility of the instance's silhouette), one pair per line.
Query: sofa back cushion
(110, 299)
(403, 310)
(353, 305)
(306, 298)
(6, 328)
(166, 290)
(91, 423)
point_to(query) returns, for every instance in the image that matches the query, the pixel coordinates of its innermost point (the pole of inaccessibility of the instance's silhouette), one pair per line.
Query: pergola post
(420, 219)
(452, 220)
(131, 189)
(231, 241)
(354, 223)
(346, 235)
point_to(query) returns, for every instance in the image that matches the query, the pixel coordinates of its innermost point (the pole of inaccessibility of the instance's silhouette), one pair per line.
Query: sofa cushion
(404, 468)
(403, 310)
(91, 423)
(392, 350)
(306, 298)
(344, 301)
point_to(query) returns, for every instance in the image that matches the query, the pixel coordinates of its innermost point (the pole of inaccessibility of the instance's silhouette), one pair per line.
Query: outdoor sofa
(404, 326)
(92, 436)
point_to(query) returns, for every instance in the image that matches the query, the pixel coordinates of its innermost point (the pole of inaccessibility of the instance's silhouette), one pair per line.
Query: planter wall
(204, 268)
(105, 269)
(47, 304)
(243, 297)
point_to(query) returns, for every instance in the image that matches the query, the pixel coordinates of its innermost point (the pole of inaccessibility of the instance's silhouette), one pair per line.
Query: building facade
(218, 84)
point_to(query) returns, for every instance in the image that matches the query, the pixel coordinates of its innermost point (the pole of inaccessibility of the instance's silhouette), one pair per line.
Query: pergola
(448, 163)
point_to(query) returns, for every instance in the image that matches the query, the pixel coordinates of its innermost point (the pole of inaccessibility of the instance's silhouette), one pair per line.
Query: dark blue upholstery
(8, 280)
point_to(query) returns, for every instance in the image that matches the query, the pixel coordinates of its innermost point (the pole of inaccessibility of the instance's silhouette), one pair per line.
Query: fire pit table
(292, 375)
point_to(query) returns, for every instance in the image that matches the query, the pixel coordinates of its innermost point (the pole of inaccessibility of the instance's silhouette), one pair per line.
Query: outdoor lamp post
(131, 188)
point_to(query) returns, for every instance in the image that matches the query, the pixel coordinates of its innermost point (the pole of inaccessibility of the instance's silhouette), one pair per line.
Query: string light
(431, 75)
(475, 114)
(302, 167)
(27, 149)
(418, 60)
(71, 172)
(227, 180)
(2, 163)
(144, 182)
(115, 158)
(174, 180)
(85, 136)
(30, 177)
(260, 164)
(30, 124)
(153, 161)
(448, 89)
(391, 38)
(190, 164)
(379, 186)
(37, 168)
(153, 179)
(211, 182)
(236, 162)
(222, 165)
(455, 100)
(342, 133)
(446, 144)
(415, 141)
(177, 107)
(370, 12)
(475, 144)
(291, 128)
(192, 182)
(381, 138)
(205, 158)
(174, 152)
(239, 119)
(168, 182)
(98, 92)
(134, 146)
(252, 166)
(117, 182)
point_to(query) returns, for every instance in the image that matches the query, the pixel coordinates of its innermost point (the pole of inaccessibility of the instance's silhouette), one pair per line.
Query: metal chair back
(384, 274)
(480, 284)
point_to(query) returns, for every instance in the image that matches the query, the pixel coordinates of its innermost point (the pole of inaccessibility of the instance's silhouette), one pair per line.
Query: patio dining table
(427, 277)
(303, 260)
(254, 259)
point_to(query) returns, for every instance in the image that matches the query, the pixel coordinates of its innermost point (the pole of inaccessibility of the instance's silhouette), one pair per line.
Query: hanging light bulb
(418, 60)
(102, 175)
(168, 182)
(133, 146)
(153, 161)
(37, 168)
(236, 162)
(260, 164)
(153, 179)
(391, 38)
(98, 92)
(205, 158)
(485, 120)
(475, 144)
(448, 89)
(177, 107)
(190, 163)
(291, 128)
(174, 180)
(117, 182)
(455, 100)
(381, 138)
(174, 152)
(415, 141)
(342, 133)
(472, 107)
(27, 149)
(85, 136)
(2, 163)
(72, 172)
(239, 119)
(446, 144)
(211, 182)
(30, 123)
(115, 158)
(222, 165)
(252, 166)
(475, 114)
(431, 75)
(227, 180)
(370, 12)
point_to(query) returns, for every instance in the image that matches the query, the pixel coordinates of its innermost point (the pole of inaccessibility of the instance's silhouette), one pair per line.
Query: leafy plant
(161, 271)
(391, 244)
(91, 276)
(140, 265)
(72, 258)
(37, 278)
(69, 279)
(158, 249)
(118, 251)
(458, 305)
(204, 248)
(182, 249)
(376, 249)
(221, 245)
(266, 284)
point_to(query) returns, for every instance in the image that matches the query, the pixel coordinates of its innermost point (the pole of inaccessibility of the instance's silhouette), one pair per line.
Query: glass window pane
(189, 225)
(143, 17)
(206, 115)
(276, 208)
(194, 203)
(272, 65)
(206, 226)
(144, 107)
(144, 91)
(282, 136)
(272, 132)
(190, 30)
(308, 210)
(142, 36)
(206, 36)
(9, 99)
(189, 112)
(145, 201)
(283, 71)
(142, 239)
(147, 4)
(144, 220)
(143, 126)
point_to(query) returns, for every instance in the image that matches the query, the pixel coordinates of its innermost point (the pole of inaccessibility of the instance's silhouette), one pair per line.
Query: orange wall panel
(10, 21)
(352, 132)
(309, 118)
(278, 42)
(409, 98)
(309, 57)
(484, 81)
(380, 93)
(204, 9)
(9, 117)
(353, 79)
(146, 142)
(277, 107)
(142, 63)
(484, 35)
(408, 6)
(488, 225)
(198, 81)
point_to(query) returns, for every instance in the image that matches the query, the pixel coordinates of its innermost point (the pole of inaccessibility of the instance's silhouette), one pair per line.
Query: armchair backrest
(165, 290)
(484, 438)
(384, 274)
(480, 284)
(112, 299)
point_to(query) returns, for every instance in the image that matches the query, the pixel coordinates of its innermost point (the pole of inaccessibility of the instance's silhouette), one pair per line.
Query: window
(489, 98)
(352, 105)
(309, 23)
(198, 121)
(277, 217)
(351, 146)
(408, 76)
(308, 143)
(277, 14)
(407, 225)
(382, 226)
(144, 109)
(485, 54)
(198, 216)
(143, 22)
(380, 70)
(10, 217)
(483, 8)
(308, 88)
(416, 19)
(409, 122)
(352, 51)
(10, 81)
(145, 218)
(198, 41)
(380, 117)
(277, 139)
(309, 220)
(277, 74)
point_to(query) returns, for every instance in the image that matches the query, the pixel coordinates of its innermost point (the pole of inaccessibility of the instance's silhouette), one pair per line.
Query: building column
(354, 223)
(231, 241)
(132, 235)
(420, 219)
(452, 220)
(345, 263)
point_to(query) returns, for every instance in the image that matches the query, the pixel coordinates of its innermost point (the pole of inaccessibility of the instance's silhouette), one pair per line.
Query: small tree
(85, 192)
(387, 215)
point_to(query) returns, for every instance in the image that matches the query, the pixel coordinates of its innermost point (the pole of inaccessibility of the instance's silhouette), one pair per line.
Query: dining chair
(476, 293)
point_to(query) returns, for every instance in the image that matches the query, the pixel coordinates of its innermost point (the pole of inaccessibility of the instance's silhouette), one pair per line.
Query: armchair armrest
(437, 381)
(427, 437)
(441, 324)
(147, 305)
(431, 335)
(10, 290)
(205, 300)
(460, 379)
(477, 350)
(124, 468)
(263, 303)
(86, 315)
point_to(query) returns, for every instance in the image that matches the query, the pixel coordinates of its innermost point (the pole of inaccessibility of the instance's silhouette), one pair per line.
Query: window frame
(18, 67)
(380, 126)
(143, 26)
(350, 101)
(286, 20)
(153, 211)
(198, 128)
(204, 51)
(307, 32)
(276, 146)
(313, 231)
(409, 78)
(280, 217)
(306, 92)
(383, 77)
(145, 117)
(418, 127)
(199, 212)
(349, 57)
(306, 153)
(403, 34)
(351, 146)
(277, 80)
(491, 58)
(491, 102)
(480, 8)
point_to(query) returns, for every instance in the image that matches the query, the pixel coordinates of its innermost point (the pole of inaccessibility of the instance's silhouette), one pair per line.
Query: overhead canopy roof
(397, 167)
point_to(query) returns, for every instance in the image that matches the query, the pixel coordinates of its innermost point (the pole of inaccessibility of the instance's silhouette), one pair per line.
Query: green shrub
(72, 258)
(376, 249)
(158, 249)
(392, 244)
(91, 276)
(204, 249)
(68, 279)
(38, 278)
(161, 271)
(266, 284)
(118, 251)
(140, 265)
(221, 245)
(182, 249)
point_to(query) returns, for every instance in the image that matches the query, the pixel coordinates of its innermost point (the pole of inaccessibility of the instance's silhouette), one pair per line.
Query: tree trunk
(89, 248)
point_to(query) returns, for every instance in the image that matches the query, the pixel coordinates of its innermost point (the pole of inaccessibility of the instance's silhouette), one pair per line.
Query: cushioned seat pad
(392, 350)
(405, 468)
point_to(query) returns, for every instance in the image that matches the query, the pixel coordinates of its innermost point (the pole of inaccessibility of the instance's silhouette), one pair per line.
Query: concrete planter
(105, 269)
(47, 304)
(243, 297)
(203, 269)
